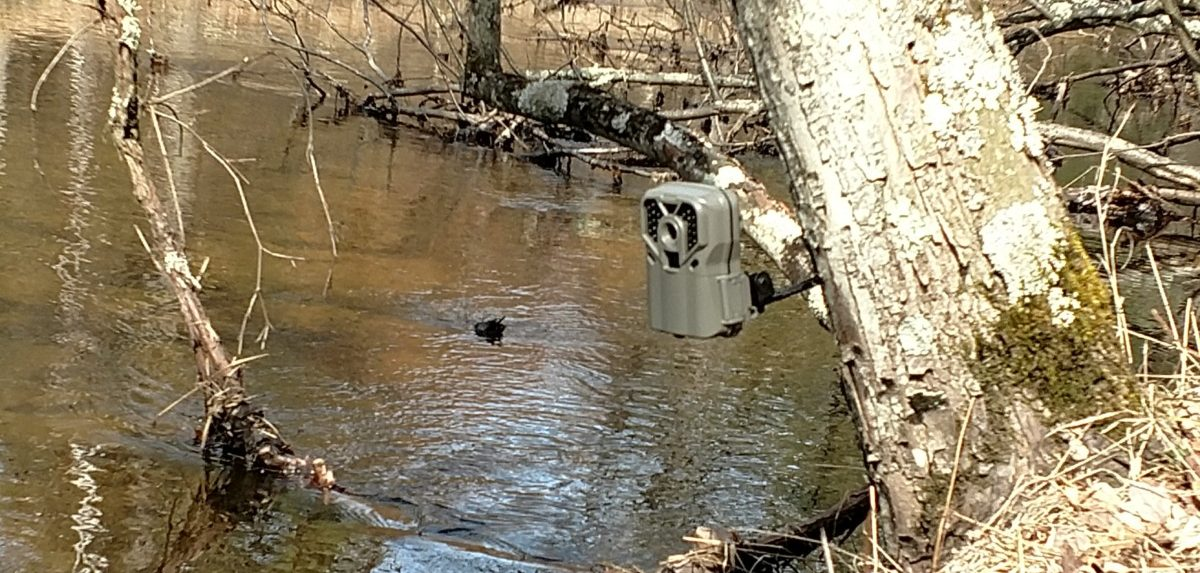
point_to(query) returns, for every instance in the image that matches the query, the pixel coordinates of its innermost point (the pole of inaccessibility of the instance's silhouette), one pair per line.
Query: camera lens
(672, 231)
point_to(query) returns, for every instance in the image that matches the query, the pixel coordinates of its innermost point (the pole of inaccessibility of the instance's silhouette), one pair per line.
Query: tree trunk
(967, 314)
(483, 36)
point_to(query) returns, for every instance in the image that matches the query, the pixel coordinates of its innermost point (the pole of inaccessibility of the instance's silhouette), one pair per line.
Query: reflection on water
(4, 47)
(87, 516)
(71, 264)
(583, 438)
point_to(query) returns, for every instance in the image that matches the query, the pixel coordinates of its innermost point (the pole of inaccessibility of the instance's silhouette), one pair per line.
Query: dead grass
(1128, 505)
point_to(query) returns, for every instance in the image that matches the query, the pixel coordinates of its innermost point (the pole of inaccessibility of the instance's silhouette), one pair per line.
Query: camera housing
(695, 284)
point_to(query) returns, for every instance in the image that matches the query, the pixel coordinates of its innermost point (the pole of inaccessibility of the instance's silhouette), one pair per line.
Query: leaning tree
(967, 314)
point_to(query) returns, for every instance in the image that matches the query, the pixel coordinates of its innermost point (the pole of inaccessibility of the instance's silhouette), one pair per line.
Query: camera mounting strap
(762, 289)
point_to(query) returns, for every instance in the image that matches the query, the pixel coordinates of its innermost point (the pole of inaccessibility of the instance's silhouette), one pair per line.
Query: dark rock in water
(491, 329)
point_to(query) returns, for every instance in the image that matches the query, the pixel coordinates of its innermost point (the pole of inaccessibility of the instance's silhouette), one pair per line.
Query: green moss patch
(1069, 365)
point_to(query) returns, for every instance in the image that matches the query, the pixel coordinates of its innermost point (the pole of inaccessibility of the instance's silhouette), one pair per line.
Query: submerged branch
(717, 551)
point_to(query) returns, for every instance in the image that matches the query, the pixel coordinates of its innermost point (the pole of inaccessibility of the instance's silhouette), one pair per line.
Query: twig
(686, 12)
(146, 246)
(262, 249)
(237, 363)
(1186, 42)
(37, 86)
(1162, 293)
(404, 24)
(428, 8)
(437, 18)
(1109, 260)
(941, 530)
(874, 516)
(162, 150)
(364, 49)
(1109, 71)
(316, 174)
(825, 551)
(178, 400)
(1045, 62)
(245, 63)
(238, 179)
(442, 68)
(305, 51)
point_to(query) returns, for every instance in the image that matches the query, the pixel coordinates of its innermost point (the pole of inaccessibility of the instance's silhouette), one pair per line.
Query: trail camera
(695, 283)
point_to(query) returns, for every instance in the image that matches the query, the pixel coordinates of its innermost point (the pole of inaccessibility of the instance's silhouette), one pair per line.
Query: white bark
(597, 76)
(915, 167)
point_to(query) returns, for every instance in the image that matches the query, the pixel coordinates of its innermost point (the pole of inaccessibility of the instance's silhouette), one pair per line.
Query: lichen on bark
(547, 98)
(1065, 364)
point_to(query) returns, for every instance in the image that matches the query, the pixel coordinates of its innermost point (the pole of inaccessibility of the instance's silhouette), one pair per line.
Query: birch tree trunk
(960, 299)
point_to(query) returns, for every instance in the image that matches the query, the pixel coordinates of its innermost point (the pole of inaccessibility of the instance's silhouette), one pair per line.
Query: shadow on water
(582, 438)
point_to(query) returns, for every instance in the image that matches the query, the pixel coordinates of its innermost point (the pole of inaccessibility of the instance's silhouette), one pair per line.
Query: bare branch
(729, 106)
(1108, 71)
(245, 63)
(1023, 28)
(1186, 176)
(37, 87)
(162, 150)
(1185, 39)
(310, 153)
(256, 296)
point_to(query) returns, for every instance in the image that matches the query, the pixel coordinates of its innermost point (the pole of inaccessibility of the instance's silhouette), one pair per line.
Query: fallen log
(597, 76)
